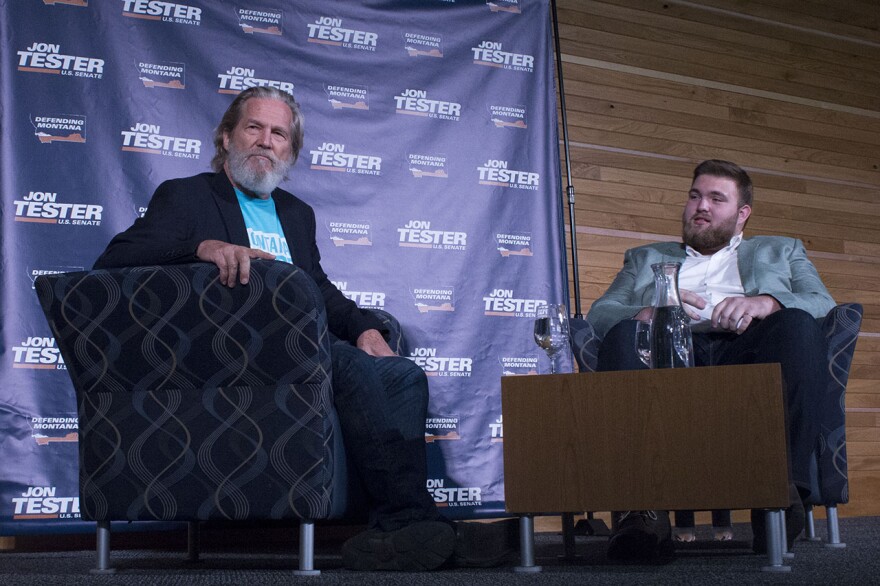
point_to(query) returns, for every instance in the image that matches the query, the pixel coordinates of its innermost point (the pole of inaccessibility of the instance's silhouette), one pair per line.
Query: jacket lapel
(657, 253)
(746, 264)
(299, 225)
(227, 203)
(671, 252)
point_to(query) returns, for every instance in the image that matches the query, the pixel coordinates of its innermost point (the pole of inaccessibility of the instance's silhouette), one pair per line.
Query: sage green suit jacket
(768, 265)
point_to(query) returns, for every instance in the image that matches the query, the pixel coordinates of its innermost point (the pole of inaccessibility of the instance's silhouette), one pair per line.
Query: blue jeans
(791, 337)
(382, 404)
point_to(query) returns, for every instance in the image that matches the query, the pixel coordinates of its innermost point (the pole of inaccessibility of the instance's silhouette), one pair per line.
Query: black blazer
(184, 212)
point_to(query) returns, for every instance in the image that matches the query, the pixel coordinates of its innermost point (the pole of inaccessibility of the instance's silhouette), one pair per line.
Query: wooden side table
(690, 438)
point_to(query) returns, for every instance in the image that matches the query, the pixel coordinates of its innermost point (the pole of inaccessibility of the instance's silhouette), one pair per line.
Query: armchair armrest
(584, 344)
(395, 333)
(830, 483)
(841, 327)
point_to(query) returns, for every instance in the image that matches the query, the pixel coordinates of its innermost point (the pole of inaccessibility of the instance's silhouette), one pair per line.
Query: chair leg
(775, 538)
(527, 545)
(192, 541)
(307, 549)
(103, 549)
(810, 529)
(784, 542)
(833, 528)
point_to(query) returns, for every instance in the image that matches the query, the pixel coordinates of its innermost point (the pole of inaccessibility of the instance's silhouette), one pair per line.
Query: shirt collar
(243, 197)
(731, 246)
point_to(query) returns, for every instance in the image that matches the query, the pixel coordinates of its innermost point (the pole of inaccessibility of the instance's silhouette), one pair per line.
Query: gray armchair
(829, 478)
(198, 402)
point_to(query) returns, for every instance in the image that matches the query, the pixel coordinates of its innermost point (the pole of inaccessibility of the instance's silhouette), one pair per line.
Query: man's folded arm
(617, 303)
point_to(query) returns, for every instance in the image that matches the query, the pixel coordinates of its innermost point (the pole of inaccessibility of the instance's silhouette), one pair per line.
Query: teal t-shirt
(263, 226)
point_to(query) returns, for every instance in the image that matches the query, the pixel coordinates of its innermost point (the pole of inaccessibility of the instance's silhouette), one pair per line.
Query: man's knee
(618, 349)
(792, 325)
(793, 338)
(621, 330)
(412, 374)
(347, 359)
(397, 374)
(406, 391)
(794, 319)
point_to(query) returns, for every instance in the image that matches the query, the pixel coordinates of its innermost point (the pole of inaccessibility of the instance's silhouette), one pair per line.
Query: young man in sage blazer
(751, 300)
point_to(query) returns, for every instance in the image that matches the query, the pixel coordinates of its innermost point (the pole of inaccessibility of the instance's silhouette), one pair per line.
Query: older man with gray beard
(238, 213)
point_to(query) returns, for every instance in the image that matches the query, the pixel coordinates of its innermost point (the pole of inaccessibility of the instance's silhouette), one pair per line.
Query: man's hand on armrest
(372, 342)
(233, 261)
(736, 313)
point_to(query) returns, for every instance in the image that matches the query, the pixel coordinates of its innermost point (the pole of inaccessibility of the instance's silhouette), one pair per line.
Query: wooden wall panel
(790, 90)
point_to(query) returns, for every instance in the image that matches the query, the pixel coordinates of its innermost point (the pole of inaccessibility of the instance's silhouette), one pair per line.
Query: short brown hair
(235, 111)
(719, 168)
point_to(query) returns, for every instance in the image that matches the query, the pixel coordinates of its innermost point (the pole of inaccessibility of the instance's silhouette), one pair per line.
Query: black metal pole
(595, 526)
(569, 190)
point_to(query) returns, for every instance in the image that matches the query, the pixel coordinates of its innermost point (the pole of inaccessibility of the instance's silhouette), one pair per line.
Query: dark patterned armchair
(198, 402)
(830, 484)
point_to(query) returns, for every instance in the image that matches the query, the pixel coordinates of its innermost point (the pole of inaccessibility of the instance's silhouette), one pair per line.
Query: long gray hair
(236, 110)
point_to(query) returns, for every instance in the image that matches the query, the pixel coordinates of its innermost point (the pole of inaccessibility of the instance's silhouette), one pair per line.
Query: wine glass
(682, 340)
(679, 351)
(643, 341)
(551, 330)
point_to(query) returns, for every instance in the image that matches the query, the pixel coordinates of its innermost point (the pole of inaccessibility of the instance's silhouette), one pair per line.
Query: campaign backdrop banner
(430, 157)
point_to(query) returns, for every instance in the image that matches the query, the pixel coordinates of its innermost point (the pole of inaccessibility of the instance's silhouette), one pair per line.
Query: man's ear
(743, 214)
(226, 139)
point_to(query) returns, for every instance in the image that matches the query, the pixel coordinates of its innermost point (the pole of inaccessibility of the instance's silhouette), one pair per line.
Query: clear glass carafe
(671, 340)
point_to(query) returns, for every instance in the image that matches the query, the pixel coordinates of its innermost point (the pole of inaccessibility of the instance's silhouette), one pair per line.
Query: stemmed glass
(683, 342)
(681, 345)
(643, 342)
(551, 331)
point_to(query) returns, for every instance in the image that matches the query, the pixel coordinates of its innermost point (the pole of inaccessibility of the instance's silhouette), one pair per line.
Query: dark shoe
(424, 545)
(641, 536)
(485, 545)
(795, 521)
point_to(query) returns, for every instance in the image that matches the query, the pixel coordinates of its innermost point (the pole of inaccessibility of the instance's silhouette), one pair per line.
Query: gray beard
(710, 240)
(256, 180)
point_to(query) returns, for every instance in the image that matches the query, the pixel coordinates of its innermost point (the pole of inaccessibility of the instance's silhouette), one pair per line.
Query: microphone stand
(590, 525)
(569, 190)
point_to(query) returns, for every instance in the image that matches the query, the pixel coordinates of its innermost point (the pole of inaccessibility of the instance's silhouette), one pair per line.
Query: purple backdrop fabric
(431, 158)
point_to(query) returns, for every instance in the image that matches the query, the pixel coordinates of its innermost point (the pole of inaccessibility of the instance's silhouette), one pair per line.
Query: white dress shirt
(713, 277)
